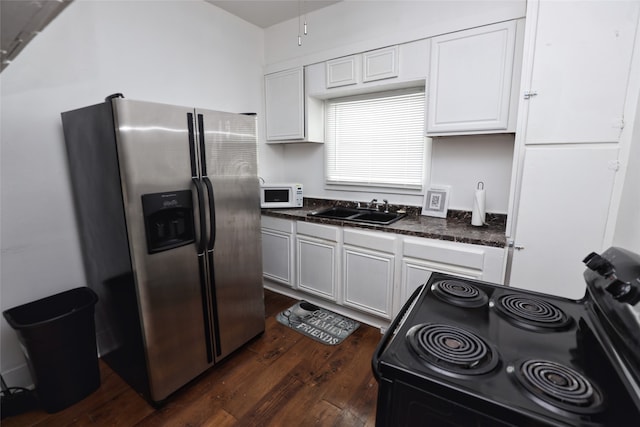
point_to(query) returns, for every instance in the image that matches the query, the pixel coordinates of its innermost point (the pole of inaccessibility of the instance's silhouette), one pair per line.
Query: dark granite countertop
(456, 227)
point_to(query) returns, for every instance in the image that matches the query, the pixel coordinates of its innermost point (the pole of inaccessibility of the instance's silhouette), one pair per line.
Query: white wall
(463, 161)
(625, 221)
(355, 26)
(180, 52)
(627, 232)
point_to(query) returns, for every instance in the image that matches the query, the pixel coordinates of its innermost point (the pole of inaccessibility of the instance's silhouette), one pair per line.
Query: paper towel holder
(478, 214)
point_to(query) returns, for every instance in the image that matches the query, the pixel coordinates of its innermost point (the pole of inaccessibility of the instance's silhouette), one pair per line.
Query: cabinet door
(276, 256)
(562, 215)
(580, 71)
(343, 71)
(317, 266)
(380, 64)
(470, 81)
(368, 281)
(284, 104)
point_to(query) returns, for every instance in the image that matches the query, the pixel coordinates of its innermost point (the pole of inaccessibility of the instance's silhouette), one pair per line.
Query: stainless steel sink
(358, 215)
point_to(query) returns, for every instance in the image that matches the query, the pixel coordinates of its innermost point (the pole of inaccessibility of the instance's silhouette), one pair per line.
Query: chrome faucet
(386, 205)
(372, 204)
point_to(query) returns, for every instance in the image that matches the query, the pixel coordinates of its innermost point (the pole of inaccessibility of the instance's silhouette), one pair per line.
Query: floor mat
(317, 323)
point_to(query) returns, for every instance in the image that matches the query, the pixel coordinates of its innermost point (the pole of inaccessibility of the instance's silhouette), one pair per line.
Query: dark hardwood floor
(280, 379)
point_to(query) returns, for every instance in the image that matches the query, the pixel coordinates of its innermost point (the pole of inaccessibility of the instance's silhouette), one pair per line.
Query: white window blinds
(376, 140)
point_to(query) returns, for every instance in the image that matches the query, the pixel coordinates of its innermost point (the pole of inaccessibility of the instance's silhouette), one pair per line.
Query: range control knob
(598, 264)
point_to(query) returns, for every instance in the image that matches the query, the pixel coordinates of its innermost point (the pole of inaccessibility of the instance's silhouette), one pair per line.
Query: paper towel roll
(478, 213)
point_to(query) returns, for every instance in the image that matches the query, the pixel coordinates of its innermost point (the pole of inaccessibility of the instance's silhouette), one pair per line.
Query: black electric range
(470, 353)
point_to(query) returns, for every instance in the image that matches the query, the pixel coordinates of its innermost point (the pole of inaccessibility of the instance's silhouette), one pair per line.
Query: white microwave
(280, 195)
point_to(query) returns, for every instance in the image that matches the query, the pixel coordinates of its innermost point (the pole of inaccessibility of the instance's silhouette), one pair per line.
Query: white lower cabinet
(277, 250)
(416, 272)
(421, 257)
(364, 274)
(317, 259)
(368, 270)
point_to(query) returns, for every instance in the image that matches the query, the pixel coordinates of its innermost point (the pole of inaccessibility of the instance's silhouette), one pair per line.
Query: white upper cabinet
(380, 64)
(369, 66)
(284, 99)
(472, 85)
(580, 71)
(291, 115)
(343, 71)
(388, 68)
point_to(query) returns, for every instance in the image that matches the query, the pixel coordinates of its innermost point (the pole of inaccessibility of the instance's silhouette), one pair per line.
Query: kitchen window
(376, 140)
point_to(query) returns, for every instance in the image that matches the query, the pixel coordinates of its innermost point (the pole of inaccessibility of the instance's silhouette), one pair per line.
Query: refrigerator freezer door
(231, 166)
(154, 156)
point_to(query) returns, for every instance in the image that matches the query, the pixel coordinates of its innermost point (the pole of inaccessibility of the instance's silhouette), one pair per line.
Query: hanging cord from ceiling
(301, 16)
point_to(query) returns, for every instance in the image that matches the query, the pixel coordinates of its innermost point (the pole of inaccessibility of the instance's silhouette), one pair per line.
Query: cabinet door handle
(530, 94)
(513, 245)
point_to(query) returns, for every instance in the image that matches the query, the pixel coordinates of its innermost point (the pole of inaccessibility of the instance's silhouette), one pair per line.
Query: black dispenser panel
(168, 220)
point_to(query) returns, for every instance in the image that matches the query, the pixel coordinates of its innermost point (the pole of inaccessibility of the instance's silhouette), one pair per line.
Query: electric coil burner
(557, 387)
(531, 313)
(452, 350)
(464, 352)
(459, 293)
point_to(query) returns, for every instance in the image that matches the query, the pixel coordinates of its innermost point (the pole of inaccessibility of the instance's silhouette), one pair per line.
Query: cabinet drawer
(326, 232)
(442, 252)
(376, 241)
(278, 224)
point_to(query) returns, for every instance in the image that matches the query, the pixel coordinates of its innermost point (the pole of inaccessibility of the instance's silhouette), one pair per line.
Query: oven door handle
(375, 361)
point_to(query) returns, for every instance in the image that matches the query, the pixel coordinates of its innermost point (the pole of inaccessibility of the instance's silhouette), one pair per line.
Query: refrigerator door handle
(203, 160)
(202, 216)
(205, 307)
(192, 145)
(207, 182)
(212, 213)
(212, 235)
(202, 269)
(212, 238)
(214, 305)
(198, 184)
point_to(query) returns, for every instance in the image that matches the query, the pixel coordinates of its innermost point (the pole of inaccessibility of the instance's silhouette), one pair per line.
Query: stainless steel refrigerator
(168, 208)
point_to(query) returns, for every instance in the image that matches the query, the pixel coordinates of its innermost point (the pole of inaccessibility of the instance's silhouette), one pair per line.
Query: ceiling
(21, 21)
(24, 19)
(265, 13)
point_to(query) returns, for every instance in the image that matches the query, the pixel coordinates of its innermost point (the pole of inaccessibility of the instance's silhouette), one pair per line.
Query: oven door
(403, 405)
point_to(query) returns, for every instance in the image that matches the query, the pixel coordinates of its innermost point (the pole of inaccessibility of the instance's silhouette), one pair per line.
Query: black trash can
(58, 338)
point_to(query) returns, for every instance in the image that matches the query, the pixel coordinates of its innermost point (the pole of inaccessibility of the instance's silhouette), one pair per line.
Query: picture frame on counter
(436, 201)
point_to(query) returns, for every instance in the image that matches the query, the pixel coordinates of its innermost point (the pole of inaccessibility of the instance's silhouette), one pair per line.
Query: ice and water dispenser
(168, 220)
